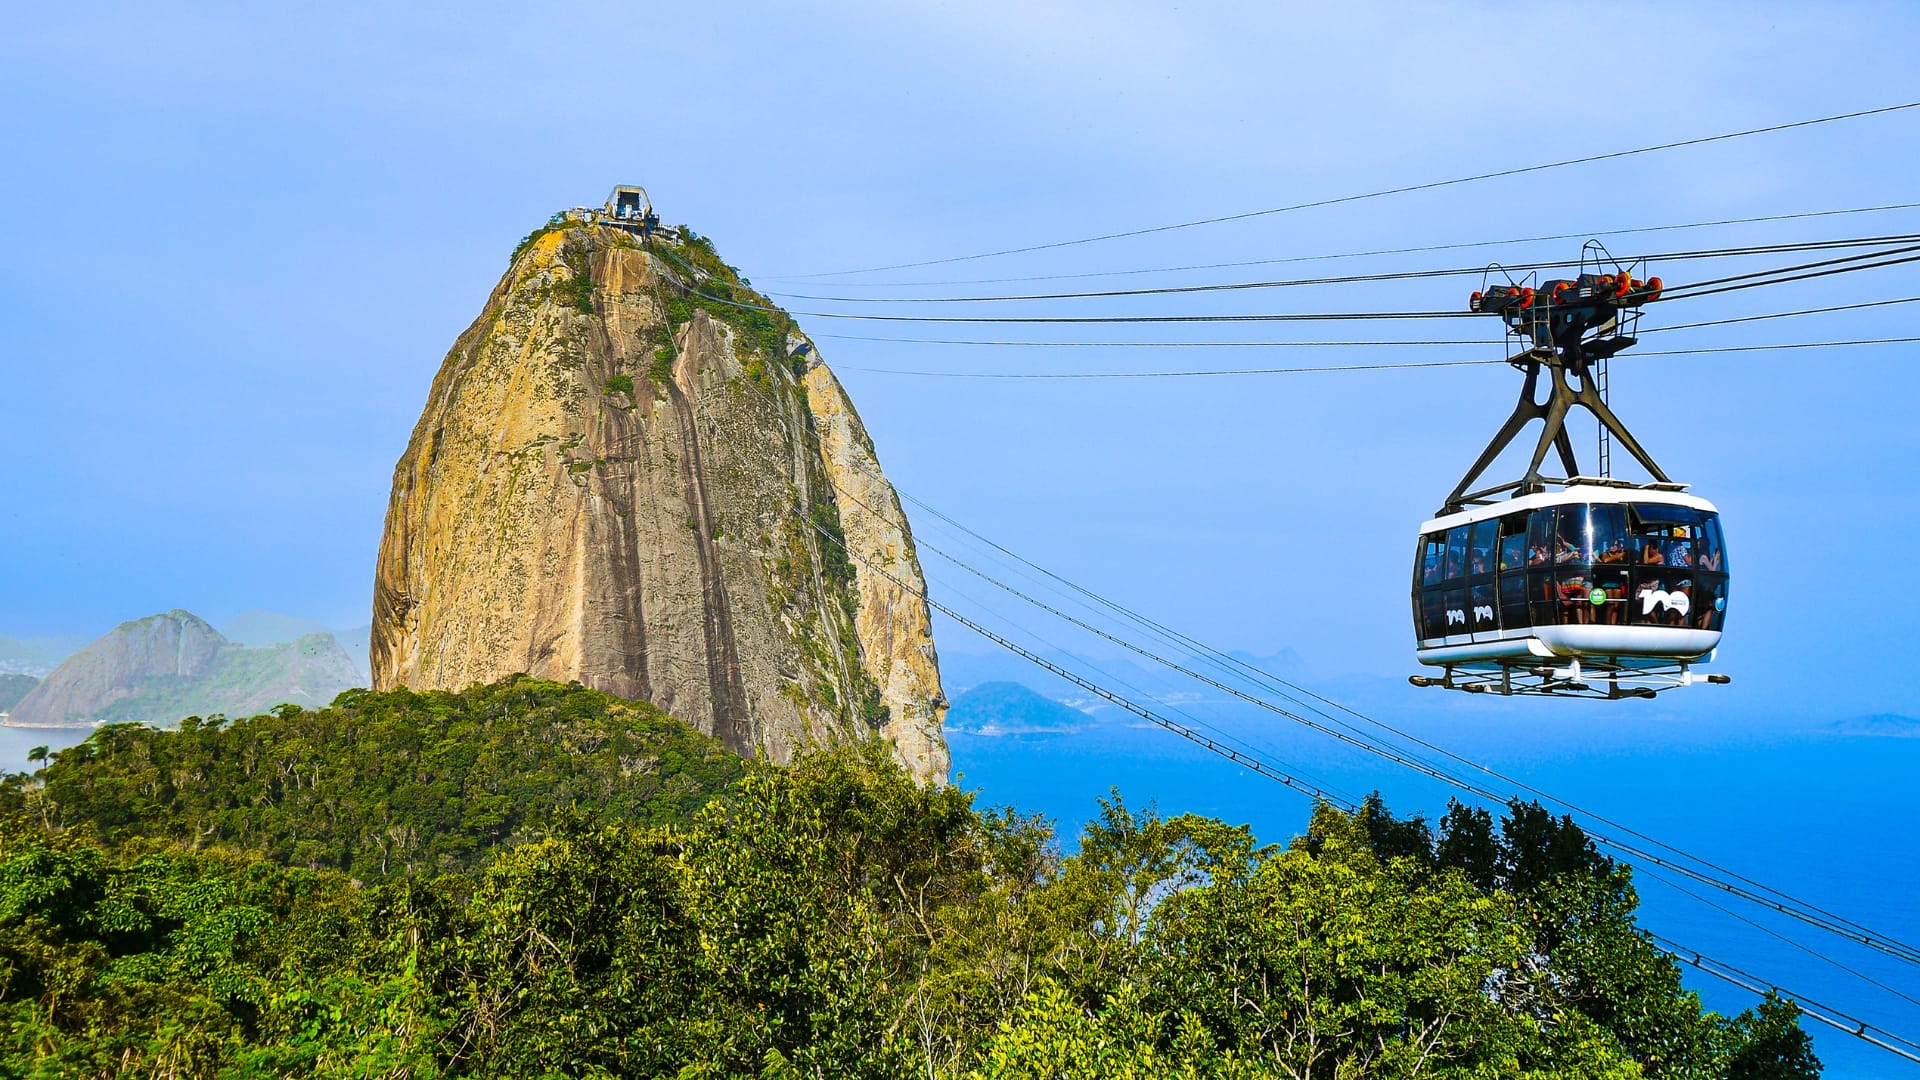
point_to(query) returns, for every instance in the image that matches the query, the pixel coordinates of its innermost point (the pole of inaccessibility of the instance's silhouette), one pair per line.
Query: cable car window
(1712, 553)
(1573, 592)
(1456, 613)
(1482, 612)
(1659, 519)
(1513, 542)
(1570, 546)
(1709, 602)
(1661, 597)
(1433, 614)
(1679, 552)
(1456, 553)
(1480, 547)
(1513, 600)
(1540, 537)
(1543, 597)
(1607, 594)
(1609, 536)
(1433, 558)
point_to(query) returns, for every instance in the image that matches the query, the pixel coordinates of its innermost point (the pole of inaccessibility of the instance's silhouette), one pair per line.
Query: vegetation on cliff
(828, 919)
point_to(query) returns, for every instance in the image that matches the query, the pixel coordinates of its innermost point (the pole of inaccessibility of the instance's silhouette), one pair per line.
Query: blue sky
(241, 245)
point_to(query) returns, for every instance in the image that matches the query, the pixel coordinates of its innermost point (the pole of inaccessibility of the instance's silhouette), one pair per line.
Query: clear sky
(240, 245)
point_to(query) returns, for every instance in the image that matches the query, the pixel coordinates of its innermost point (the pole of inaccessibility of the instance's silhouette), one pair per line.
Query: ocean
(1823, 815)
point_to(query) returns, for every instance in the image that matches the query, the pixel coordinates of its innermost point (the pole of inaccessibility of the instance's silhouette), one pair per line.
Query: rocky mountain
(634, 472)
(163, 667)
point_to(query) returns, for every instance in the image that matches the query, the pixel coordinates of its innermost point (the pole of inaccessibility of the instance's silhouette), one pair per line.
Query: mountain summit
(633, 471)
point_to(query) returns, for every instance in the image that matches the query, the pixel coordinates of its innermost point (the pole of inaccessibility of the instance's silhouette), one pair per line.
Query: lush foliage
(381, 784)
(835, 919)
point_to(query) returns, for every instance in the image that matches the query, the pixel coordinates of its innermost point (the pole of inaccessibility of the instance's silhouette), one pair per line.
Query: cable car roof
(1581, 489)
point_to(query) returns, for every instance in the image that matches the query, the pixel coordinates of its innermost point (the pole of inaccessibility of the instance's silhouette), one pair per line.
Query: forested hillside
(381, 784)
(828, 919)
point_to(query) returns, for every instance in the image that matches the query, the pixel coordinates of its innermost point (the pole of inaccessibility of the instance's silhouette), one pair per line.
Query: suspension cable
(1414, 250)
(1382, 193)
(1390, 276)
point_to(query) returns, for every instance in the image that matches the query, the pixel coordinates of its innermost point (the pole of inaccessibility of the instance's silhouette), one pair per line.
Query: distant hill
(35, 656)
(1886, 725)
(13, 688)
(1008, 708)
(257, 629)
(355, 643)
(164, 667)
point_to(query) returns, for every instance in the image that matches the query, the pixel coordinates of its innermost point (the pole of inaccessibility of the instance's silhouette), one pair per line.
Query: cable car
(1575, 585)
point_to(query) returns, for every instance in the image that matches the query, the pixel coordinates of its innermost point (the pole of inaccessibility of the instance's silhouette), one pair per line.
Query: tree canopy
(831, 918)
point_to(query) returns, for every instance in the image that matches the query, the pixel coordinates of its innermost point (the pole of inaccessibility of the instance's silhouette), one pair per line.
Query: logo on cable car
(1481, 613)
(1675, 601)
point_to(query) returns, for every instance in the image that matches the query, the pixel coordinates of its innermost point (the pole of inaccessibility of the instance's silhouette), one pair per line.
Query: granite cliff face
(163, 667)
(622, 481)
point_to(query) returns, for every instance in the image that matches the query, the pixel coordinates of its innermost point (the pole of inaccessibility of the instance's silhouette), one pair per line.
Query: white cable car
(1579, 585)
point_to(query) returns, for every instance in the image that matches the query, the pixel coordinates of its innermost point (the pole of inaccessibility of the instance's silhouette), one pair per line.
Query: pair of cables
(1383, 192)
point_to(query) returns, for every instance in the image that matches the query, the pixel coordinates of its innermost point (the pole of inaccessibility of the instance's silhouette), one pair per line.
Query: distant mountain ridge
(168, 666)
(35, 656)
(13, 688)
(1886, 725)
(1009, 708)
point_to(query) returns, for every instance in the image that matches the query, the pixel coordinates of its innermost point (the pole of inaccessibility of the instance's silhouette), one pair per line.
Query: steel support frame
(1569, 375)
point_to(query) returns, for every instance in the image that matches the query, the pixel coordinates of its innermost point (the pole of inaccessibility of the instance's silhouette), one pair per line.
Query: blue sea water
(1825, 816)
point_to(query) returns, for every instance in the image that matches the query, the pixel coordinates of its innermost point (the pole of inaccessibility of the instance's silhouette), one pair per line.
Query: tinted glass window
(1573, 591)
(1458, 621)
(1480, 547)
(1570, 542)
(1608, 595)
(1609, 537)
(1543, 598)
(1709, 601)
(1662, 596)
(1433, 614)
(1712, 554)
(1540, 538)
(1482, 611)
(1654, 519)
(1513, 541)
(1513, 600)
(1432, 558)
(1456, 552)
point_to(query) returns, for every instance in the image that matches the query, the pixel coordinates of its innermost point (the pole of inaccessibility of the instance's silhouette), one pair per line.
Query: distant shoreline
(6, 721)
